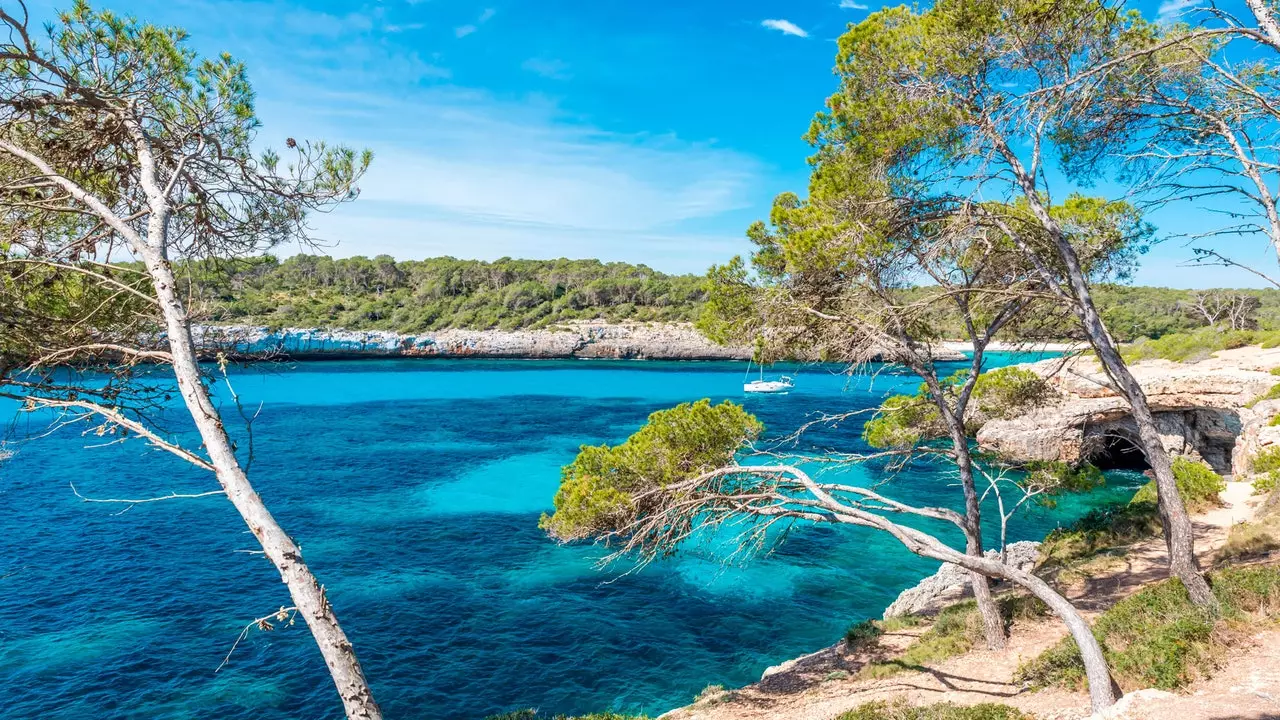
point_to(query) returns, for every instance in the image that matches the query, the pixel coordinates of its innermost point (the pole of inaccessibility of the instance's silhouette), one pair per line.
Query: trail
(823, 685)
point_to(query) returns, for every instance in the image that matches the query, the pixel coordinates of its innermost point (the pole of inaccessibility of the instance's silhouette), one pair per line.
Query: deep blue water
(414, 488)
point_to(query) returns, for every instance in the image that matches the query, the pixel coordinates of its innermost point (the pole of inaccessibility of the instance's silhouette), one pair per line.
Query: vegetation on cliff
(360, 293)
(408, 296)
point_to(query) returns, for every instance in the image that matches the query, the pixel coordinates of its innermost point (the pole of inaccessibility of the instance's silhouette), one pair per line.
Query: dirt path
(822, 685)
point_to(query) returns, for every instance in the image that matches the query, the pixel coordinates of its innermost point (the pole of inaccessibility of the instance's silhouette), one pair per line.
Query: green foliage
(1272, 394)
(603, 487)
(867, 630)
(1266, 470)
(417, 296)
(1195, 345)
(900, 710)
(1107, 528)
(1198, 484)
(1158, 637)
(1010, 391)
(905, 420)
(1274, 421)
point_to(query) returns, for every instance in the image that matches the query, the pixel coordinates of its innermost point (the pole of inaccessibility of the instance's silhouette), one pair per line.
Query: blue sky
(649, 132)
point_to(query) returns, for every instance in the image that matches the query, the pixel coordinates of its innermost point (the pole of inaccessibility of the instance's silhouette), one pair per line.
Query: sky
(648, 132)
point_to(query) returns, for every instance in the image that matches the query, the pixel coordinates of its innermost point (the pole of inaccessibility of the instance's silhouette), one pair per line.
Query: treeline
(437, 293)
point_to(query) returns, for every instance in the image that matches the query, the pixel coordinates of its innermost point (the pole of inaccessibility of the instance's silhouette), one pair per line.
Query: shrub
(1272, 394)
(1198, 484)
(1100, 529)
(1198, 344)
(1265, 484)
(1157, 637)
(900, 710)
(1010, 391)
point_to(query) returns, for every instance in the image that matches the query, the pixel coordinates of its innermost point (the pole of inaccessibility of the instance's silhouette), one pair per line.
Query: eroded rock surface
(649, 341)
(1199, 407)
(951, 582)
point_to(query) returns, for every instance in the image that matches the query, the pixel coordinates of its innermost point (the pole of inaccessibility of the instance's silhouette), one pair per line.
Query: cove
(415, 489)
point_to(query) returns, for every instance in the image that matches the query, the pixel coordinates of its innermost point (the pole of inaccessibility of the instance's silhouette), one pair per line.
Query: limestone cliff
(649, 341)
(1199, 407)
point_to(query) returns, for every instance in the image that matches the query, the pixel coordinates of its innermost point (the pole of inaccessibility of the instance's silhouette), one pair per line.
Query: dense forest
(437, 293)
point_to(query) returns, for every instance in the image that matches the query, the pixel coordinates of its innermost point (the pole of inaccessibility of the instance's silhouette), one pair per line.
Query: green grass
(955, 631)
(941, 711)
(1158, 638)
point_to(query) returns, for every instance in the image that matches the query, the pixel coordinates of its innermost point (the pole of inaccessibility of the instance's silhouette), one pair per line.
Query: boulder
(951, 582)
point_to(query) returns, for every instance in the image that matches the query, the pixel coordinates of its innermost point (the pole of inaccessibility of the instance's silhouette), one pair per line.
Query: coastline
(580, 340)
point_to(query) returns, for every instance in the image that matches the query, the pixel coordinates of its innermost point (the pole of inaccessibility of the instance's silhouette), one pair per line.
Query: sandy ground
(821, 686)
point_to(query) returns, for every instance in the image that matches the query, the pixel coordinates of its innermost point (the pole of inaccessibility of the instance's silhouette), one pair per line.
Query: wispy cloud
(461, 172)
(1172, 9)
(786, 27)
(852, 5)
(465, 30)
(548, 68)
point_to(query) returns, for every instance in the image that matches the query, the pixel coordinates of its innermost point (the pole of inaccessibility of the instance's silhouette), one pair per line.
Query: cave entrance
(1119, 453)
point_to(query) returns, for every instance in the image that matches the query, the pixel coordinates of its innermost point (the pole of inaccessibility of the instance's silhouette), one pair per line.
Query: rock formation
(951, 582)
(649, 341)
(1200, 409)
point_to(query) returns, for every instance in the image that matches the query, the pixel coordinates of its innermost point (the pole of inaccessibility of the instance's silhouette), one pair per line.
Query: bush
(1100, 529)
(1272, 394)
(1198, 484)
(1010, 391)
(1157, 637)
(1198, 344)
(900, 710)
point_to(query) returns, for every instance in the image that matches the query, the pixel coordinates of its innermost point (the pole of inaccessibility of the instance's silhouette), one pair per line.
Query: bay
(414, 488)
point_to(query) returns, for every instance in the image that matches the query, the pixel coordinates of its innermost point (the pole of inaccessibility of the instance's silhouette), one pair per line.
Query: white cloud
(466, 30)
(852, 5)
(548, 68)
(786, 27)
(1173, 9)
(460, 172)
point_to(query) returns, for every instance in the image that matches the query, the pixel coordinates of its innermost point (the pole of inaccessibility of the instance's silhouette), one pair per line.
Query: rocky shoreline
(594, 339)
(579, 340)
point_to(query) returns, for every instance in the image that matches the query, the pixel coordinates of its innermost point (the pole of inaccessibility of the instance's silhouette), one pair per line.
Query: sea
(414, 488)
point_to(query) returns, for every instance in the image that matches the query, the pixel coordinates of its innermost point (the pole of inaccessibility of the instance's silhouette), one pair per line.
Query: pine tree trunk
(1178, 531)
(308, 596)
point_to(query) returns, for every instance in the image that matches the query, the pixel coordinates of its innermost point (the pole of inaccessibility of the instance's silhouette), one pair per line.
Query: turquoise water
(414, 488)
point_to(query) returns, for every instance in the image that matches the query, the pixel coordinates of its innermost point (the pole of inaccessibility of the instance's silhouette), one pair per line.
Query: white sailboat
(781, 385)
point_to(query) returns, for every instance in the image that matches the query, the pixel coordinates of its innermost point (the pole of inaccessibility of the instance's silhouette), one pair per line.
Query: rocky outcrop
(579, 340)
(1200, 410)
(646, 341)
(951, 582)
